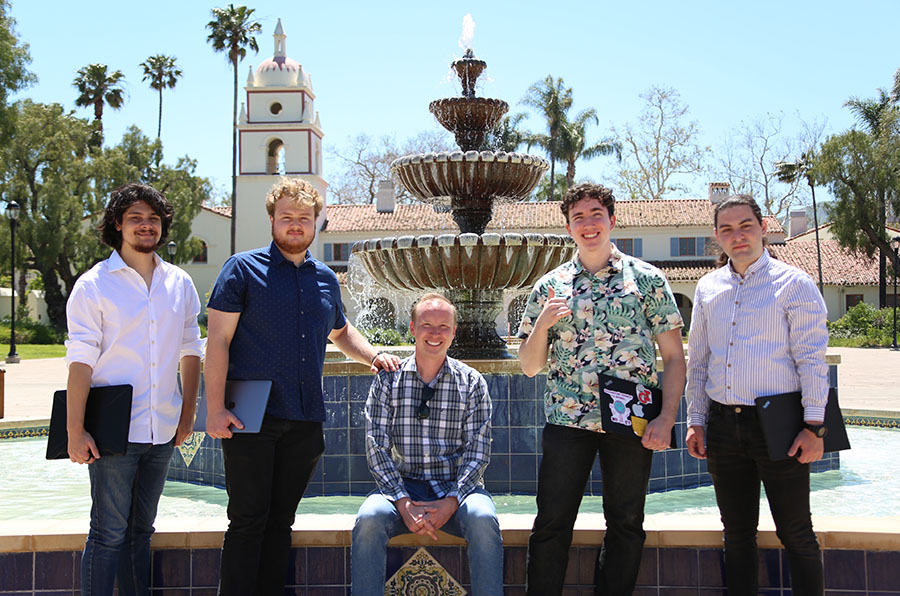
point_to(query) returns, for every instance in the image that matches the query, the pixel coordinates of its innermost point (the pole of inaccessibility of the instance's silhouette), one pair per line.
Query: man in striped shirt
(428, 443)
(758, 329)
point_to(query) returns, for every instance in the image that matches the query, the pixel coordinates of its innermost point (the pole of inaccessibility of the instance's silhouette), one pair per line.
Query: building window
(338, 251)
(688, 247)
(853, 300)
(202, 257)
(275, 108)
(629, 246)
(275, 159)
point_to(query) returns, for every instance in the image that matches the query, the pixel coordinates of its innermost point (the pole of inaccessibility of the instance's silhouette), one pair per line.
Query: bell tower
(279, 134)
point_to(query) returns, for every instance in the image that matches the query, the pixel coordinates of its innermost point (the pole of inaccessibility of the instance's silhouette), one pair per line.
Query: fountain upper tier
(463, 261)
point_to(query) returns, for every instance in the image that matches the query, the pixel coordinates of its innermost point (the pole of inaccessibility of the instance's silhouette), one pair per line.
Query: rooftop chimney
(798, 222)
(719, 191)
(385, 201)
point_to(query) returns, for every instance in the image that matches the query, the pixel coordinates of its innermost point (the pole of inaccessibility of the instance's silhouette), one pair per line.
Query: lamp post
(12, 212)
(895, 244)
(171, 248)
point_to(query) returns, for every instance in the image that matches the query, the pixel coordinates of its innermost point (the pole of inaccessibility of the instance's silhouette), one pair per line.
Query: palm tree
(231, 31)
(552, 99)
(162, 72)
(572, 139)
(98, 87)
(790, 173)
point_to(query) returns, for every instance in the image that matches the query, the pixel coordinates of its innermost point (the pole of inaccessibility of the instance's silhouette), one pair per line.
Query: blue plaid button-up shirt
(450, 448)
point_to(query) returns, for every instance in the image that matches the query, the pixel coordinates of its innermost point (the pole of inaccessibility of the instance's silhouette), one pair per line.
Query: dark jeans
(265, 475)
(737, 461)
(125, 491)
(566, 464)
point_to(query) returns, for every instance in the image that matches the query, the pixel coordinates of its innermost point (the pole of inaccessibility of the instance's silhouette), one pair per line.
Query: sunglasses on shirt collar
(424, 411)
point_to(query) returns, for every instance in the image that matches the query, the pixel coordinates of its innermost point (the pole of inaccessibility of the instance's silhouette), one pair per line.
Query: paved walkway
(868, 379)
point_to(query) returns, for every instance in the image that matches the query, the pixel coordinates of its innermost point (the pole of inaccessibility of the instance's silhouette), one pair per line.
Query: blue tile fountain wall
(518, 417)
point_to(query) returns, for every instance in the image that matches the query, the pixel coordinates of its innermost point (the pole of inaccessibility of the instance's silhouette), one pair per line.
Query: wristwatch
(820, 430)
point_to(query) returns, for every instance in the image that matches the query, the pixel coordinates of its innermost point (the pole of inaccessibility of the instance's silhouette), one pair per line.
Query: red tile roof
(418, 217)
(840, 267)
(226, 211)
(685, 271)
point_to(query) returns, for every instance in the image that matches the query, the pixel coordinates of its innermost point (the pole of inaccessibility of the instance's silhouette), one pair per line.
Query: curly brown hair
(124, 197)
(587, 190)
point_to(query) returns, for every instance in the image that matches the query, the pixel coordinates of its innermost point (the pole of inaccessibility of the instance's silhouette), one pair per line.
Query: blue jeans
(737, 461)
(125, 491)
(475, 520)
(266, 475)
(565, 466)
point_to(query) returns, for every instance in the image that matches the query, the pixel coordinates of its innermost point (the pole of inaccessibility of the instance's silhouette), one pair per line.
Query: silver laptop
(247, 399)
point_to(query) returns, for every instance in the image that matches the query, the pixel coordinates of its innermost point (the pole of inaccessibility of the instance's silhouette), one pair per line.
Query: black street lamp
(12, 212)
(171, 248)
(895, 244)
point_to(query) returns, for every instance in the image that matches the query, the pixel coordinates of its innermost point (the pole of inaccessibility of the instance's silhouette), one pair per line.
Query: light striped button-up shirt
(450, 448)
(757, 335)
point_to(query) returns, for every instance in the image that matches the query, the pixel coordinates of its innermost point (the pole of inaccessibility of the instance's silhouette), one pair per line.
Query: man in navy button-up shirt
(270, 312)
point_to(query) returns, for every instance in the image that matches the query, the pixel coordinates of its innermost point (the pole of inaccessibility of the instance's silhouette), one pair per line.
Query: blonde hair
(297, 191)
(428, 298)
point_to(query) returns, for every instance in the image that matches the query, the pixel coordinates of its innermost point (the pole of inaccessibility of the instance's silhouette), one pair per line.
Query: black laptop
(781, 418)
(107, 417)
(627, 407)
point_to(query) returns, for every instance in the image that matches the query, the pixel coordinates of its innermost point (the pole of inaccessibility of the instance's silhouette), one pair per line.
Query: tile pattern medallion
(191, 445)
(421, 575)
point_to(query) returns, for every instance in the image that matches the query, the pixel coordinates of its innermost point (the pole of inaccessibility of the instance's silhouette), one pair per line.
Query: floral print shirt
(616, 314)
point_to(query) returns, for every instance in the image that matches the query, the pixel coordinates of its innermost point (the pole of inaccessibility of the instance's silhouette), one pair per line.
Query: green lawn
(32, 351)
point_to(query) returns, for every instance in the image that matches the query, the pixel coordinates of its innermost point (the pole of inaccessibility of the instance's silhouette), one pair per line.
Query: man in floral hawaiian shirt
(597, 314)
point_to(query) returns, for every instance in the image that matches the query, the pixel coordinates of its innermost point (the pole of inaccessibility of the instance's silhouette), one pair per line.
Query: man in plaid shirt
(428, 442)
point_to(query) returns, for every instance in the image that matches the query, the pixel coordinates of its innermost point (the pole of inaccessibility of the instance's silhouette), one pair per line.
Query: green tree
(14, 75)
(231, 31)
(98, 87)
(46, 172)
(552, 99)
(862, 170)
(163, 73)
(61, 188)
(573, 143)
(877, 116)
(661, 149)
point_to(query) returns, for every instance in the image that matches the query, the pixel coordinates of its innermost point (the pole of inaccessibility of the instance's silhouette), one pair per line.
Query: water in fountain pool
(33, 488)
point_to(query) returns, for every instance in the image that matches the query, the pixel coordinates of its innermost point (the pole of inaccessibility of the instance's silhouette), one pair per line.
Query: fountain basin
(463, 261)
(469, 118)
(470, 175)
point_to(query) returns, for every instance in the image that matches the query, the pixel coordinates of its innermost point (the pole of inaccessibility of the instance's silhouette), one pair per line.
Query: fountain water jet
(471, 268)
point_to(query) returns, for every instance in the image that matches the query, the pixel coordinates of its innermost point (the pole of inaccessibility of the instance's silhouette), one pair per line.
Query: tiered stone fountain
(471, 268)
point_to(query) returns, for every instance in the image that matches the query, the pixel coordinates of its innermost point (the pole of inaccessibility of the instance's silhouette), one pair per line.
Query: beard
(143, 246)
(291, 245)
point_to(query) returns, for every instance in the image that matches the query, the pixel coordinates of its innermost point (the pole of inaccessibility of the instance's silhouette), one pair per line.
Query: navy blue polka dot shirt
(287, 313)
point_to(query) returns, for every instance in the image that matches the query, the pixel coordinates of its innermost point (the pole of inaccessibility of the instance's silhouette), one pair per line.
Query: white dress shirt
(129, 334)
(757, 335)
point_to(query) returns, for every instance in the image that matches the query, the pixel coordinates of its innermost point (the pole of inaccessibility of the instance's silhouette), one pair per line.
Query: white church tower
(279, 135)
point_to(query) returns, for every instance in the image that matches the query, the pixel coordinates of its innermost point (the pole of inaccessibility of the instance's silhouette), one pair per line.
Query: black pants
(738, 460)
(566, 464)
(265, 475)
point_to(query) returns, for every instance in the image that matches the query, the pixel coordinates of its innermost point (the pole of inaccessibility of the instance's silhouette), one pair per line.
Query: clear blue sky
(376, 65)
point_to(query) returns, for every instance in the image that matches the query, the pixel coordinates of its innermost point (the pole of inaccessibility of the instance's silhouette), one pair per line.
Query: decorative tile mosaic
(422, 575)
(191, 445)
(23, 433)
(873, 421)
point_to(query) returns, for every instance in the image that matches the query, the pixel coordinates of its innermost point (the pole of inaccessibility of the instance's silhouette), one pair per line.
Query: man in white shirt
(130, 319)
(758, 329)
